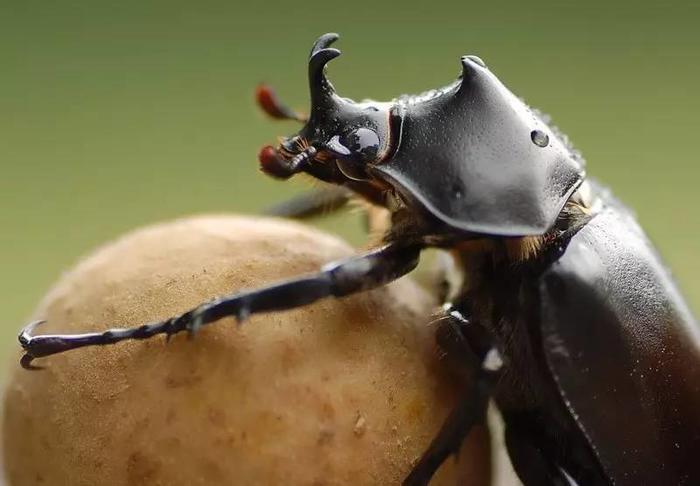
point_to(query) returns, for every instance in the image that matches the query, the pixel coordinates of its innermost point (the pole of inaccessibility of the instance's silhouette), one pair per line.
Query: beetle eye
(363, 142)
(360, 144)
(337, 147)
(353, 150)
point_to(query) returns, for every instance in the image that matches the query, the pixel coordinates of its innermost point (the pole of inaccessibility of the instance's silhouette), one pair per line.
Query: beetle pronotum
(562, 312)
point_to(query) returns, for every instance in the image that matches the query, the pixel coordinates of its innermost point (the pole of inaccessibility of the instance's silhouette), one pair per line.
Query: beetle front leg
(468, 344)
(337, 279)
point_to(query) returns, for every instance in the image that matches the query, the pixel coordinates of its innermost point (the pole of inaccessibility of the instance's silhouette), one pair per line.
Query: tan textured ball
(345, 391)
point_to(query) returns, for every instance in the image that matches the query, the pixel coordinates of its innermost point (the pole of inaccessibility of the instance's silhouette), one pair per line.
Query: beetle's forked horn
(322, 91)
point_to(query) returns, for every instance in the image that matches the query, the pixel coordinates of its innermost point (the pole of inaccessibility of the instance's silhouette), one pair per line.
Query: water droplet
(539, 138)
(477, 60)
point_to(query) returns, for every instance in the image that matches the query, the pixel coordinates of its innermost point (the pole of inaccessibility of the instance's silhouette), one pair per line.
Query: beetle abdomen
(625, 352)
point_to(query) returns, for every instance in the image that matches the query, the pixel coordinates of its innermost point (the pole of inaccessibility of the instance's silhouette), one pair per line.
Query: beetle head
(340, 137)
(471, 156)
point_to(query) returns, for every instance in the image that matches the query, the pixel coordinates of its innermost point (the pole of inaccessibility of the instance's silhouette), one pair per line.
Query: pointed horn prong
(319, 60)
(322, 90)
(322, 42)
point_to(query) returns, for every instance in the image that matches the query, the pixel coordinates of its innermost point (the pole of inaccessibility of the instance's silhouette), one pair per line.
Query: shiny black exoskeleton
(556, 306)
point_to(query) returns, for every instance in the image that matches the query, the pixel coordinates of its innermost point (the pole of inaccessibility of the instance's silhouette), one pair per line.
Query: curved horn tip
(317, 63)
(323, 56)
(322, 42)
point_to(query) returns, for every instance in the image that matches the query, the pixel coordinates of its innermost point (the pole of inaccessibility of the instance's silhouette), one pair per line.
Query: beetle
(556, 306)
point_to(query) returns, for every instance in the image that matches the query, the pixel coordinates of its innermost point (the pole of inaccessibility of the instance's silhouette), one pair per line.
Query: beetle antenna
(302, 158)
(267, 100)
(273, 164)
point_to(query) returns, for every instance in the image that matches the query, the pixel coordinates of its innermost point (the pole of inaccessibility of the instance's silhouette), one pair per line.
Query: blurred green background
(115, 115)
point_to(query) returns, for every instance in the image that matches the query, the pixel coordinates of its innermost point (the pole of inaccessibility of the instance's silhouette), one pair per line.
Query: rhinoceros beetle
(557, 307)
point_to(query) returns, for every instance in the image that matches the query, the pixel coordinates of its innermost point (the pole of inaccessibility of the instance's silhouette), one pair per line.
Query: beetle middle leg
(468, 346)
(337, 279)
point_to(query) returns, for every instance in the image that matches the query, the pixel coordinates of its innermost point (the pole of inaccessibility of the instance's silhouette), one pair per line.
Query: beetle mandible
(558, 307)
